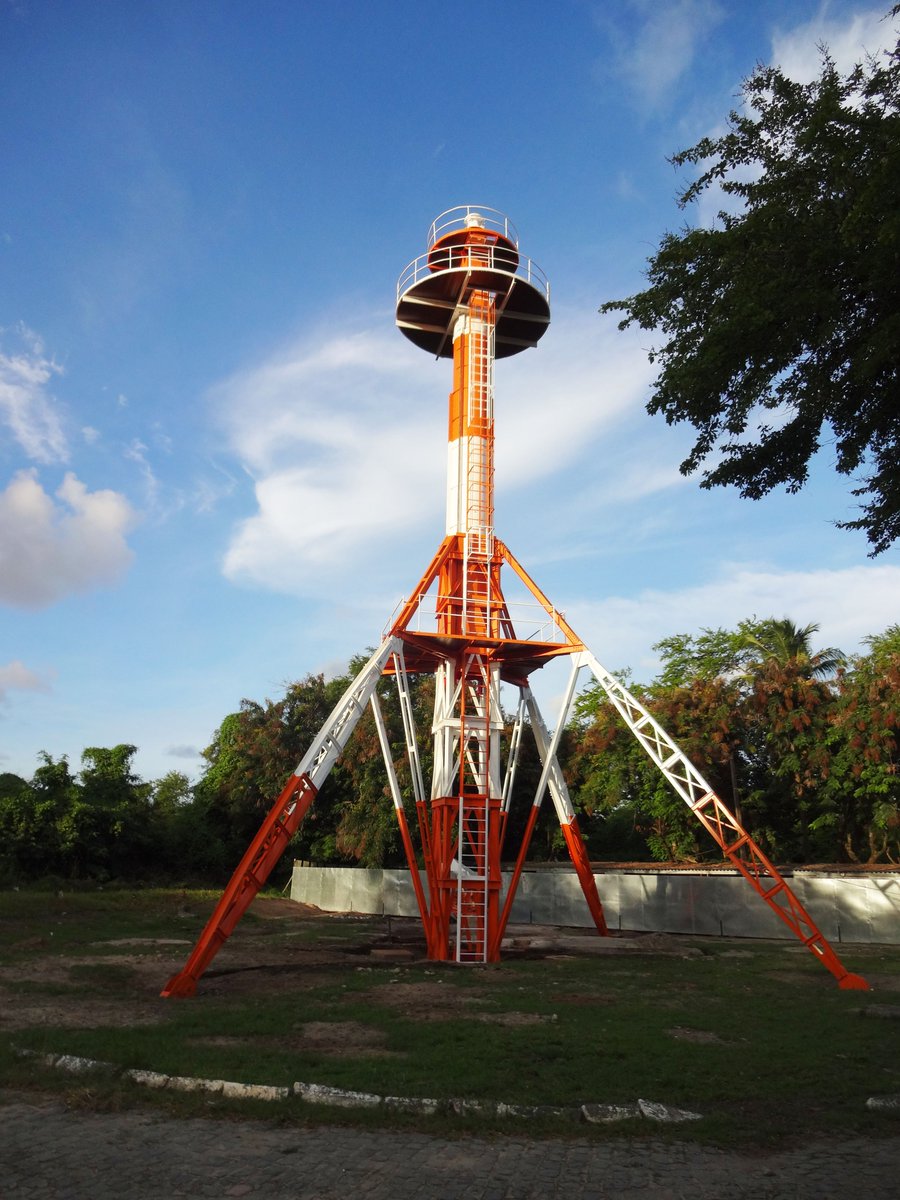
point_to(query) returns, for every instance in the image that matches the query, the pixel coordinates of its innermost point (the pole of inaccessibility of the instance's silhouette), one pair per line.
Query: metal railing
(532, 622)
(462, 216)
(459, 258)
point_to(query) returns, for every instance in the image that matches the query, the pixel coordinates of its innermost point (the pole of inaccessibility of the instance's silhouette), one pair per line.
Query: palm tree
(784, 644)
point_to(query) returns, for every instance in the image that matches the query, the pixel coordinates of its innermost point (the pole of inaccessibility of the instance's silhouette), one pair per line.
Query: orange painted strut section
(252, 872)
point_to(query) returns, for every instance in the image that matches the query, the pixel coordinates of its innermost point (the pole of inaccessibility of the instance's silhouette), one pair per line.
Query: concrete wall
(847, 908)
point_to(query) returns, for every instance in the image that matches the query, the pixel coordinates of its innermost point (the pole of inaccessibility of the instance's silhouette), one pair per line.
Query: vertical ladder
(479, 483)
(472, 894)
(473, 820)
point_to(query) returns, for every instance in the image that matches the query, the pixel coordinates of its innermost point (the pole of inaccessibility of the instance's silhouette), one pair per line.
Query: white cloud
(50, 550)
(26, 407)
(849, 41)
(585, 379)
(663, 46)
(16, 677)
(345, 439)
(342, 438)
(848, 604)
(182, 751)
(208, 492)
(136, 452)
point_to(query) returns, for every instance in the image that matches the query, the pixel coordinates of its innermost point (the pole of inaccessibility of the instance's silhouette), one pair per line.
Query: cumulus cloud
(27, 408)
(848, 604)
(345, 439)
(341, 439)
(49, 550)
(585, 380)
(16, 677)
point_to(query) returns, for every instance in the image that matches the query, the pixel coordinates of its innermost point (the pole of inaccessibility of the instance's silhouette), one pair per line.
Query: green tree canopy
(781, 325)
(784, 644)
(801, 744)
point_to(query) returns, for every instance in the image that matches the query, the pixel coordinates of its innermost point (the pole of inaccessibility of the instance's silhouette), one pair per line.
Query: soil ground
(286, 948)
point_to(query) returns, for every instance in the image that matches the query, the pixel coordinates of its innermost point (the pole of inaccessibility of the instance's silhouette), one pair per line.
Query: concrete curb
(318, 1093)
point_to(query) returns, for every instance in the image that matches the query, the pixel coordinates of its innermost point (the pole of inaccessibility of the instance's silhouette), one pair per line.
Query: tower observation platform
(472, 249)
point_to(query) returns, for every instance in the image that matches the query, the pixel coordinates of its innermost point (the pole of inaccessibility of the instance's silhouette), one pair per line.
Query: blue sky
(221, 466)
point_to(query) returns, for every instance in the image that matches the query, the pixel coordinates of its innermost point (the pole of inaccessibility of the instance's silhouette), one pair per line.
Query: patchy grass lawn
(755, 1035)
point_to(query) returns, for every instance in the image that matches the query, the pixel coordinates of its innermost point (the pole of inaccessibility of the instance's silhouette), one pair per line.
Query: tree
(252, 756)
(368, 829)
(860, 803)
(788, 645)
(753, 708)
(38, 835)
(611, 775)
(782, 323)
(106, 830)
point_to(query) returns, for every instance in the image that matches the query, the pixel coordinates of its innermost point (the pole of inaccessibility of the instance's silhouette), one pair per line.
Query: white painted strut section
(492, 673)
(551, 776)
(335, 733)
(674, 764)
(384, 743)
(512, 760)
(409, 726)
(483, 728)
(443, 727)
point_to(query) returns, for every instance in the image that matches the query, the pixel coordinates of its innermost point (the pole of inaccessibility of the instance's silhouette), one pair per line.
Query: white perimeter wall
(847, 908)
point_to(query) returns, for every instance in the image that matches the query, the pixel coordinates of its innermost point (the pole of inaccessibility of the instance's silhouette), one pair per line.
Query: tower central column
(470, 298)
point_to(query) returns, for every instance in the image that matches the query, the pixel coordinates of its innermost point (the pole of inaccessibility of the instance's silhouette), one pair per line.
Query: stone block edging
(319, 1093)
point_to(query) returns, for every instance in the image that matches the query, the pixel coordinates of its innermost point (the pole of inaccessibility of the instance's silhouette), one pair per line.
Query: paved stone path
(48, 1152)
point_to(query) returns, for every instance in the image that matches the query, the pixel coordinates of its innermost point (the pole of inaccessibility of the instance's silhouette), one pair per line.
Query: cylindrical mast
(470, 297)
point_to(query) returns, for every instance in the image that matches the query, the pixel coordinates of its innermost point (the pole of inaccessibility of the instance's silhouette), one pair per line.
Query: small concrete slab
(604, 1114)
(414, 1104)
(81, 1066)
(320, 1093)
(186, 1083)
(665, 1114)
(254, 1091)
(146, 1078)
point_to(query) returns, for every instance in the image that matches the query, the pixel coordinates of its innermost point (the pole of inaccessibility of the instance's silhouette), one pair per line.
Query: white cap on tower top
(474, 220)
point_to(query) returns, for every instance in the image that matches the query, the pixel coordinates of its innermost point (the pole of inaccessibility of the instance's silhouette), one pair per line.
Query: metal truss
(735, 842)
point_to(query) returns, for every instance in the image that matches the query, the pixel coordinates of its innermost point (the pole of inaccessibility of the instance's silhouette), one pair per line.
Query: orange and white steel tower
(475, 298)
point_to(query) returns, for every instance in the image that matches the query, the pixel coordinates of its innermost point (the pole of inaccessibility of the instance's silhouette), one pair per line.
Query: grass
(755, 1035)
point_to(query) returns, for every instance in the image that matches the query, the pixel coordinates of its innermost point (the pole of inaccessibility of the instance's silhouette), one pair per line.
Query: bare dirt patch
(336, 1039)
(428, 1000)
(699, 1037)
(341, 1039)
(118, 981)
(20, 1010)
(515, 1020)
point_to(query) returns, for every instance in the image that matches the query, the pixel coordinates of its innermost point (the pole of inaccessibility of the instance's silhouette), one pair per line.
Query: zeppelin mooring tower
(473, 297)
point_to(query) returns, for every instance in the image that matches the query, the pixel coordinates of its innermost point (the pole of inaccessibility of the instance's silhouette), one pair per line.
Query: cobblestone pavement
(47, 1151)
